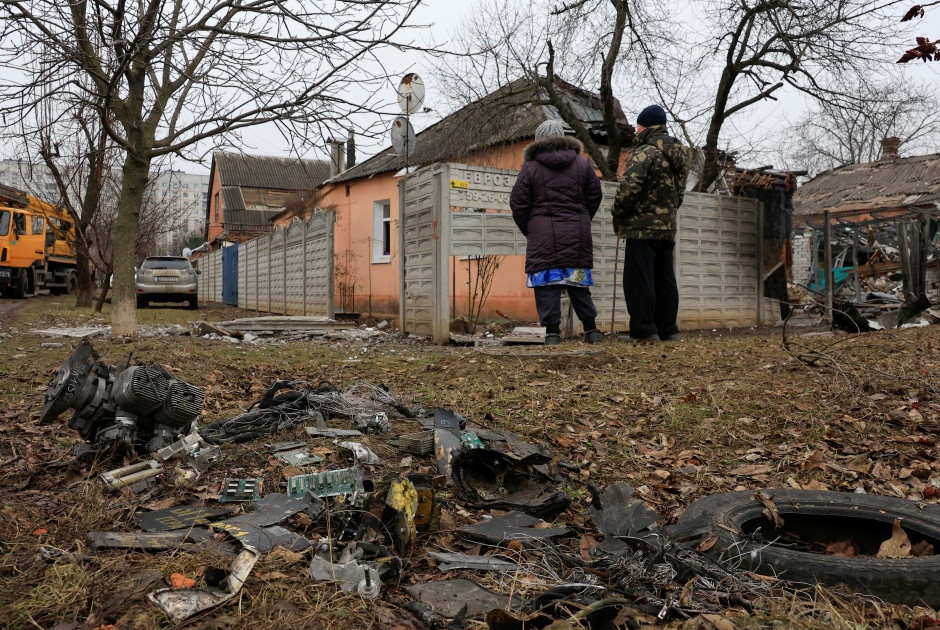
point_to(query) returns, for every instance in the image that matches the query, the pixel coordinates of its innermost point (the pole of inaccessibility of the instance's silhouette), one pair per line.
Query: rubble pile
(365, 516)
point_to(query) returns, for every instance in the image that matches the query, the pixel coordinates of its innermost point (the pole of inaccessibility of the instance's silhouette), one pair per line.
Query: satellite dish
(410, 93)
(187, 253)
(403, 136)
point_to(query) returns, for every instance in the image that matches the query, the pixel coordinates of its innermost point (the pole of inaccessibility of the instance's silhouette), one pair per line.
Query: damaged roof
(509, 114)
(881, 185)
(271, 173)
(256, 188)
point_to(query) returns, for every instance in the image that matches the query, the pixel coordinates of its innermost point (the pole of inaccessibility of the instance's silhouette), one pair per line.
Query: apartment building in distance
(179, 197)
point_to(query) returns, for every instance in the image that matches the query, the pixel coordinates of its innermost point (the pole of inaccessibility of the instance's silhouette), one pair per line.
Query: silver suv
(167, 279)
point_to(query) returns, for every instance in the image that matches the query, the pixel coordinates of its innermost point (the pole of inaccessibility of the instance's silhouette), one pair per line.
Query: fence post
(829, 274)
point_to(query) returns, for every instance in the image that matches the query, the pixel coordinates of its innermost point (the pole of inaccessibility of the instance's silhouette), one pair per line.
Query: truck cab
(36, 246)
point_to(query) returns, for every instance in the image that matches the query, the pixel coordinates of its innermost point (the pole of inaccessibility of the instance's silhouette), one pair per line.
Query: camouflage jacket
(652, 186)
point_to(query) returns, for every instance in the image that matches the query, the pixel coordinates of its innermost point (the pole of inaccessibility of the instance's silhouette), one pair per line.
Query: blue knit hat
(652, 115)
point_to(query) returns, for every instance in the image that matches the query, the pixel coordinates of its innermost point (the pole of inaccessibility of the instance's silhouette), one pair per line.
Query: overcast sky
(446, 16)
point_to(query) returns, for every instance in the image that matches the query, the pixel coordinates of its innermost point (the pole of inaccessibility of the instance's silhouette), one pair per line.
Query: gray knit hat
(550, 127)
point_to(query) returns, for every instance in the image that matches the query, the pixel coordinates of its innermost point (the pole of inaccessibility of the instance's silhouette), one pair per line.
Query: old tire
(823, 517)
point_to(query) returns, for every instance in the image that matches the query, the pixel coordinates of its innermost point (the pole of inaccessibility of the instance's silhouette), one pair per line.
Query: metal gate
(230, 275)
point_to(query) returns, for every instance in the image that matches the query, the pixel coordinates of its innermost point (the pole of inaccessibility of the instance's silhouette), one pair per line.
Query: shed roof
(873, 186)
(507, 115)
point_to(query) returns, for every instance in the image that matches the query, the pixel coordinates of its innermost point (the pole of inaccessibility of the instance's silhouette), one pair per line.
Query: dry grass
(677, 421)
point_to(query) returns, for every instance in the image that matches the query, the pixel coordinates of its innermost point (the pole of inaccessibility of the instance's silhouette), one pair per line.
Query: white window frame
(381, 228)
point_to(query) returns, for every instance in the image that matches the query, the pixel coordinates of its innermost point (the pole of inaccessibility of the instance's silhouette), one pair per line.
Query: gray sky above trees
(757, 130)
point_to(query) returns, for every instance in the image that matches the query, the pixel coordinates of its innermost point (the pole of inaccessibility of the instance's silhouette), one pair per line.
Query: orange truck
(37, 248)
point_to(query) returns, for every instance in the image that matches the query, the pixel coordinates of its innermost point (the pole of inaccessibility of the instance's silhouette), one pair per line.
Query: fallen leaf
(718, 622)
(859, 464)
(708, 543)
(843, 549)
(770, 509)
(921, 549)
(751, 470)
(898, 546)
(42, 531)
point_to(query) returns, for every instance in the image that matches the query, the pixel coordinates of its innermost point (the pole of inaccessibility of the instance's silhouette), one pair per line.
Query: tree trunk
(124, 298)
(86, 284)
(103, 293)
(711, 169)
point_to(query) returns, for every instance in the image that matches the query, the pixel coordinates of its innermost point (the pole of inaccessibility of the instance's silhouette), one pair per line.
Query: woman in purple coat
(553, 201)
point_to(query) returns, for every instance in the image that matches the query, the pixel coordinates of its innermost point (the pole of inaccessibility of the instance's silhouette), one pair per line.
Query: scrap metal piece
(314, 506)
(403, 498)
(130, 475)
(264, 539)
(329, 483)
(182, 603)
(318, 432)
(454, 561)
(152, 541)
(445, 445)
(428, 516)
(141, 389)
(67, 389)
(350, 575)
(299, 458)
(179, 517)
(193, 450)
(273, 508)
(511, 526)
(372, 422)
(241, 490)
(274, 447)
(617, 512)
(489, 479)
(362, 453)
(447, 419)
(420, 443)
(448, 597)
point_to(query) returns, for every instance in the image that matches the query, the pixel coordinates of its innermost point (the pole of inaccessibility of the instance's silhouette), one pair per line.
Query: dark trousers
(650, 288)
(548, 304)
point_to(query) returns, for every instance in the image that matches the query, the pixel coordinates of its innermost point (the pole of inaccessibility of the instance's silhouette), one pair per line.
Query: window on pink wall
(382, 232)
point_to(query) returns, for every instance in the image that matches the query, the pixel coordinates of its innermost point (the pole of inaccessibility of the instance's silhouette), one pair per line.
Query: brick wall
(802, 271)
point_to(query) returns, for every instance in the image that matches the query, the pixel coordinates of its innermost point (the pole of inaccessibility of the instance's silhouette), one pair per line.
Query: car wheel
(143, 302)
(193, 303)
(813, 520)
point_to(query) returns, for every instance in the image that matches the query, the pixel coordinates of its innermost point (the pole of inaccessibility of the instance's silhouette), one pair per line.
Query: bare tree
(515, 41)
(156, 218)
(849, 130)
(764, 46)
(173, 74)
(706, 65)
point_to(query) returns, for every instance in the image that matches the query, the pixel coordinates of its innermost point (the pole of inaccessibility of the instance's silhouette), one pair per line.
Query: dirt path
(9, 308)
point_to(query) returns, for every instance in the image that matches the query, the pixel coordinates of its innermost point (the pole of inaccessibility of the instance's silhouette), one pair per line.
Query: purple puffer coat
(553, 201)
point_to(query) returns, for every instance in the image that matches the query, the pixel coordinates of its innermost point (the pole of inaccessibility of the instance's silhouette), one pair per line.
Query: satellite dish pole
(410, 99)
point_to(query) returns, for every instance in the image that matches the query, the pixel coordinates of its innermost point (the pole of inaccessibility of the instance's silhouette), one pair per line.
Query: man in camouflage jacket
(644, 213)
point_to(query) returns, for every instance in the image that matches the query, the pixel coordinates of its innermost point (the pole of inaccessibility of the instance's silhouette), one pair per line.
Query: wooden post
(828, 273)
(759, 245)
